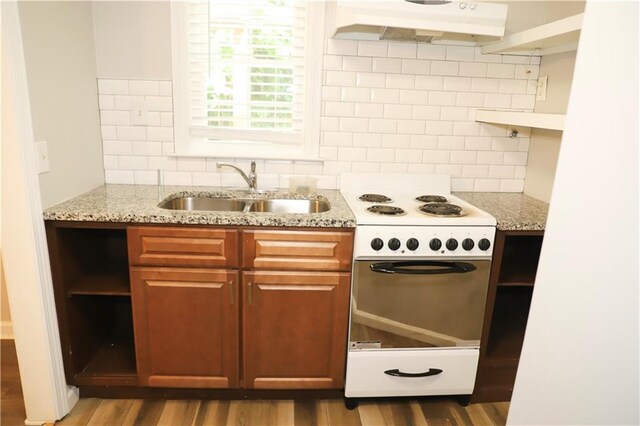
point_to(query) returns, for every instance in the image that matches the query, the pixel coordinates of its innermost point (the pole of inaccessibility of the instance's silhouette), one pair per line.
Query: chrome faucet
(252, 179)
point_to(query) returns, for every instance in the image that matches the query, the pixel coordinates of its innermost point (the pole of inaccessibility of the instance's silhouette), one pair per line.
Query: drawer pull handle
(231, 292)
(249, 293)
(398, 373)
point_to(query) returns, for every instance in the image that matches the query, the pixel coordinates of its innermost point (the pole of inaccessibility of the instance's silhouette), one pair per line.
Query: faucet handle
(253, 166)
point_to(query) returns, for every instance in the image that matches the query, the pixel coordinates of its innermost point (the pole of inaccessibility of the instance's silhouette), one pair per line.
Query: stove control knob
(435, 244)
(484, 244)
(412, 244)
(452, 244)
(467, 244)
(394, 244)
(377, 244)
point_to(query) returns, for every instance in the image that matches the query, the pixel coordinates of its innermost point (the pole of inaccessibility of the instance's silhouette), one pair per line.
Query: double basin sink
(245, 205)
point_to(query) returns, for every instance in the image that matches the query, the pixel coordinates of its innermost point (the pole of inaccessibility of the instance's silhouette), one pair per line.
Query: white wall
(133, 39)
(61, 72)
(579, 363)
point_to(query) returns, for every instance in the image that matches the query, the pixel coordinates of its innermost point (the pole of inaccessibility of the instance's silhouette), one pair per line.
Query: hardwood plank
(81, 413)
(13, 411)
(339, 415)
(244, 413)
(144, 412)
(110, 412)
(497, 412)
(305, 413)
(398, 413)
(478, 415)
(178, 413)
(280, 413)
(370, 414)
(212, 413)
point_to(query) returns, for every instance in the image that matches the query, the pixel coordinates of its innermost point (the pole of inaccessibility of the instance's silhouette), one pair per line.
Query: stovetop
(412, 232)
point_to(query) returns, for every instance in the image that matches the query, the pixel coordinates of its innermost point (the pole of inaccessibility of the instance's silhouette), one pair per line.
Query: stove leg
(464, 400)
(350, 403)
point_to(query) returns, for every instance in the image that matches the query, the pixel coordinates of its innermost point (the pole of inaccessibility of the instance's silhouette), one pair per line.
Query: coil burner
(375, 198)
(431, 199)
(386, 210)
(442, 210)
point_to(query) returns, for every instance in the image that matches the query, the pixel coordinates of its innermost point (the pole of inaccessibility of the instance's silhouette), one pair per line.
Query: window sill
(251, 157)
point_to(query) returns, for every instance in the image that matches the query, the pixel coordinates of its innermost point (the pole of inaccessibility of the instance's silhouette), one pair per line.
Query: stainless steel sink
(289, 206)
(204, 203)
(273, 205)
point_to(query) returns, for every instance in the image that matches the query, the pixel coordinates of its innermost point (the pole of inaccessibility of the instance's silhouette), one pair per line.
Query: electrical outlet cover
(42, 156)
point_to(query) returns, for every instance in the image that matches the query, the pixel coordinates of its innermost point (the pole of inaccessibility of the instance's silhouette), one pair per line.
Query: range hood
(419, 20)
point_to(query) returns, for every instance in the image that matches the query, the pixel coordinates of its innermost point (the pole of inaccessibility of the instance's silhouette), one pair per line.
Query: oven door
(419, 303)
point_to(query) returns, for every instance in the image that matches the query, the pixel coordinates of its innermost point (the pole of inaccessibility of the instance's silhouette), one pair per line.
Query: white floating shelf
(525, 119)
(554, 37)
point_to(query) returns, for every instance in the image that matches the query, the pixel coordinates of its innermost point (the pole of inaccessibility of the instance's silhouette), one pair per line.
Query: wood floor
(103, 412)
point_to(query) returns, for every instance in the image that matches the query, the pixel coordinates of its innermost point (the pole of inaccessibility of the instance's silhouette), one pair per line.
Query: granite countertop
(139, 204)
(513, 211)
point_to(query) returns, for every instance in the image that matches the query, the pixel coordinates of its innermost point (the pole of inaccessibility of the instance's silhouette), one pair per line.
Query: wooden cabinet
(154, 306)
(186, 327)
(295, 329)
(513, 272)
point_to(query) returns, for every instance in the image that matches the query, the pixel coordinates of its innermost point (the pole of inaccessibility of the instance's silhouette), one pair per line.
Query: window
(247, 77)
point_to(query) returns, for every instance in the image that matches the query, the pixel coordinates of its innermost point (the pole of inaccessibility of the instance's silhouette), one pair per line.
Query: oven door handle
(398, 373)
(407, 267)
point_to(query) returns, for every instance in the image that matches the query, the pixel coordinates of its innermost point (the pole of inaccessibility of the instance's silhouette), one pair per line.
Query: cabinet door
(295, 329)
(297, 250)
(186, 327)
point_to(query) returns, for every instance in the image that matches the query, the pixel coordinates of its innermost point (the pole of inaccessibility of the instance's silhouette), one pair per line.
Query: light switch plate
(42, 156)
(541, 93)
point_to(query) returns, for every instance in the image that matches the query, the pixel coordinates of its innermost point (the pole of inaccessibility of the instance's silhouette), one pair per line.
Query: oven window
(418, 304)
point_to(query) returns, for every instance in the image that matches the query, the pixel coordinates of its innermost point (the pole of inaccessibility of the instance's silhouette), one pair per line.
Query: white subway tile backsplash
(353, 124)
(511, 185)
(385, 95)
(143, 87)
(415, 66)
(472, 69)
(460, 53)
(341, 78)
(383, 125)
(514, 59)
(516, 158)
(387, 65)
(501, 70)
(369, 110)
(350, 154)
(423, 141)
(372, 48)
(394, 140)
(381, 155)
(442, 98)
(487, 185)
(439, 128)
(356, 63)
(444, 68)
(411, 127)
(425, 112)
(402, 50)
(404, 155)
(355, 94)
(436, 156)
(118, 176)
(113, 87)
(429, 82)
(414, 97)
(370, 79)
(111, 147)
(339, 109)
(432, 51)
(386, 107)
(373, 140)
(342, 47)
(400, 81)
(457, 84)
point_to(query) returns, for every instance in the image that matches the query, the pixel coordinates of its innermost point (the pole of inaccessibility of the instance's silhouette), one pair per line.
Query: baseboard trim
(6, 330)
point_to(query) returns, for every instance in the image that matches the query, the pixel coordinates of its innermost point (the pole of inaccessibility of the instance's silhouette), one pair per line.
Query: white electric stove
(420, 280)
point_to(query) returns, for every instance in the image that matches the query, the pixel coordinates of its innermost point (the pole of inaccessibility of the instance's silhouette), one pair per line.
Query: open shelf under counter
(553, 37)
(526, 119)
(106, 283)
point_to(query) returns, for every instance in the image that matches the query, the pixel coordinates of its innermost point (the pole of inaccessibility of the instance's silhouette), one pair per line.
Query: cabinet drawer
(297, 250)
(366, 373)
(179, 246)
